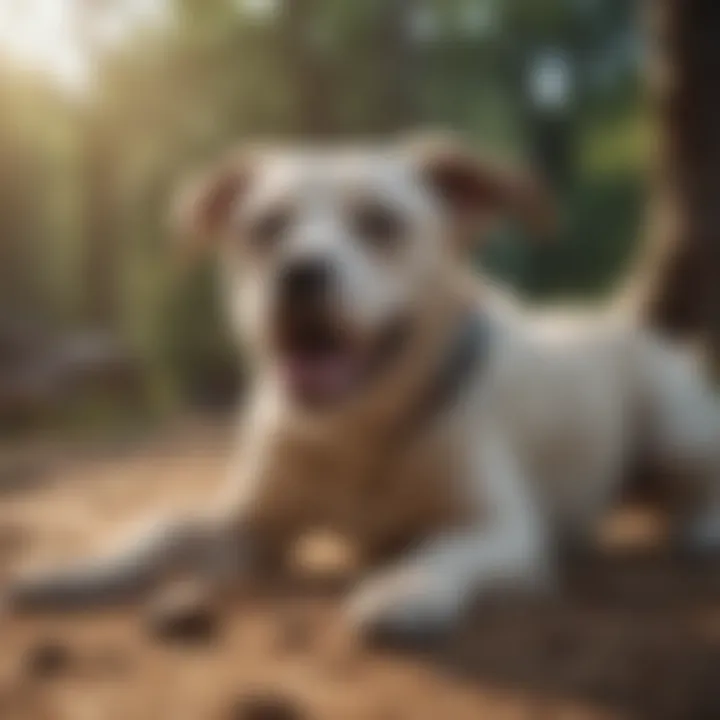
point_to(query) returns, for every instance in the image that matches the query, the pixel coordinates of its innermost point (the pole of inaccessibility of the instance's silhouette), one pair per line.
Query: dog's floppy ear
(203, 205)
(477, 189)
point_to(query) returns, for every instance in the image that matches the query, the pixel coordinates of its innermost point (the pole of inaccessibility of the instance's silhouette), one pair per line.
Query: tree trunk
(101, 252)
(398, 67)
(685, 213)
(101, 260)
(308, 73)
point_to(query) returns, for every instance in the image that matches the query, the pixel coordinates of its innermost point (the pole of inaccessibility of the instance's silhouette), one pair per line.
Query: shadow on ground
(632, 635)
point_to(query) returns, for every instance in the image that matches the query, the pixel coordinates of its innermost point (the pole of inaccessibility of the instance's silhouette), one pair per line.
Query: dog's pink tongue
(321, 377)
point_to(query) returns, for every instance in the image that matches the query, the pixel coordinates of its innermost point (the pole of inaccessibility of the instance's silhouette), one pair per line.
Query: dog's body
(526, 440)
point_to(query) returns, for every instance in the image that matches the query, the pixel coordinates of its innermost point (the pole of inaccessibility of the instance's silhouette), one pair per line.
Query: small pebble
(48, 659)
(183, 616)
(266, 706)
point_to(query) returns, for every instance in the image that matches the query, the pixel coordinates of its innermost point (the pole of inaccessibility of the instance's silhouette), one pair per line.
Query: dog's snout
(305, 280)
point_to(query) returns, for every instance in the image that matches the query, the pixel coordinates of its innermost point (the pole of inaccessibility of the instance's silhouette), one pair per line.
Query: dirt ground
(633, 635)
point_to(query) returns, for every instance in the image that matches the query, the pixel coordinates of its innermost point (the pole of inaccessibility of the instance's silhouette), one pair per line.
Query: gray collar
(468, 348)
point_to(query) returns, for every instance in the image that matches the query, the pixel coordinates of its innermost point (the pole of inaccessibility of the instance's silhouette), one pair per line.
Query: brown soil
(631, 636)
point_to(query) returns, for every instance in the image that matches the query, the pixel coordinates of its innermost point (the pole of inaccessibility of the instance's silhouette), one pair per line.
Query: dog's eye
(378, 224)
(266, 230)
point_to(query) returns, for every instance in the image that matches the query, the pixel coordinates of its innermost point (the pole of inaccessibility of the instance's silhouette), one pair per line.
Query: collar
(468, 347)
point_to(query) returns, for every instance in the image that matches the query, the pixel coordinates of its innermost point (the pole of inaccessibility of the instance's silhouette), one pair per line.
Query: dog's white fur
(534, 450)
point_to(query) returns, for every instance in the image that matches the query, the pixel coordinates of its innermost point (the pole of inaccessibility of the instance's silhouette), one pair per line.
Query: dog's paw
(6, 602)
(405, 608)
(701, 537)
(41, 591)
(20, 594)
(12, 595)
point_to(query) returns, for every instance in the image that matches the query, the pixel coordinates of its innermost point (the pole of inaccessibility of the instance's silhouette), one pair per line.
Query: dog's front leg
(428, 590)
(152, 552)
(221, 544)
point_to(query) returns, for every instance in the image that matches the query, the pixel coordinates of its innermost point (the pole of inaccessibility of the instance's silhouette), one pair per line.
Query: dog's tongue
(321, 376)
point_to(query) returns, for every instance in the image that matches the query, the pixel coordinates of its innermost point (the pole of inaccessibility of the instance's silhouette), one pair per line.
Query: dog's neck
(466, 351)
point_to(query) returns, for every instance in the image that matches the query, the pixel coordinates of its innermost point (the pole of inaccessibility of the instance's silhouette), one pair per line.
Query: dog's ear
(203, 206)
(478, 190)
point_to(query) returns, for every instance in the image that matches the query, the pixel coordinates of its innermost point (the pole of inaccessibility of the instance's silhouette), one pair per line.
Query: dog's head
(333, 255)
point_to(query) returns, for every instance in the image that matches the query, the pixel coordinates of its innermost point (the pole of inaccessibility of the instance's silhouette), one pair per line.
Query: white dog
(402, 401)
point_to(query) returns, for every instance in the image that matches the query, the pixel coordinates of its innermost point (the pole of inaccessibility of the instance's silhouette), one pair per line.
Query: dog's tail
(643, 296)
(633, 296)
(670, 287)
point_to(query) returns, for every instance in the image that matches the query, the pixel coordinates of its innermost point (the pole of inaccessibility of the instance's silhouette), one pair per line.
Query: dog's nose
(305, 280)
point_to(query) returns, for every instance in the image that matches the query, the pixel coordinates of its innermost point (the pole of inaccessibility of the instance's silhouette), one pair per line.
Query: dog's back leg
(685, 417)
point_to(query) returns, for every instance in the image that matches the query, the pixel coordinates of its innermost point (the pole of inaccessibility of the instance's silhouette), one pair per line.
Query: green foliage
(85, 183)
(195, 343)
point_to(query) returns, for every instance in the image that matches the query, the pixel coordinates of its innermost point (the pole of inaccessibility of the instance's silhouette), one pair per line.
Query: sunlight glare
(38, 35)
(58, 38)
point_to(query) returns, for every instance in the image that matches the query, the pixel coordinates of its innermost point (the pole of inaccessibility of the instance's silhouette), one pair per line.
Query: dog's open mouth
(322, 363)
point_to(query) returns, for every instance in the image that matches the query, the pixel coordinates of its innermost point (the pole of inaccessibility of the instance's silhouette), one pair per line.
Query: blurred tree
(85, 178)
(398, 78)
(685, 223)
(305, 35)
(98, 166)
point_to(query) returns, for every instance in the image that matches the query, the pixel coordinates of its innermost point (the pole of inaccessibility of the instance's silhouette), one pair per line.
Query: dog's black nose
(305, 280)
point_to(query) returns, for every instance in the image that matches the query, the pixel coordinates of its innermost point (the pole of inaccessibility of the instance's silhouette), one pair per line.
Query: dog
(399, 398)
